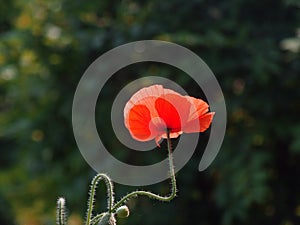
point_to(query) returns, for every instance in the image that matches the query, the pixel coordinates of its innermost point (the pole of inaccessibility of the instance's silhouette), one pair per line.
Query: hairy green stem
(150, 194)
(96, 219)
(60, 212)
(110, 195)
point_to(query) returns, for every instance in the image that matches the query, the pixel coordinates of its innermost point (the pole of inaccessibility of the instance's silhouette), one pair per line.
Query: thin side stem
(150, 194)
(110, 195)
(60, 212)
(97, 218)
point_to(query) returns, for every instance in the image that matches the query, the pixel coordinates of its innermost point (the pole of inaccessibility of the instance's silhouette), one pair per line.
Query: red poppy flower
(153, 110)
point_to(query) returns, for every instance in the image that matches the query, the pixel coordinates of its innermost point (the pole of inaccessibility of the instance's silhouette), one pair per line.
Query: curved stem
(150, 194)
(96, 219)
(110, 195)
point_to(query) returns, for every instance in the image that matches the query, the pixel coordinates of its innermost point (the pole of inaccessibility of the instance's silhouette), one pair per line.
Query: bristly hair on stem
(61, 212)
(150, 194)
(110, 195)
(115, 209)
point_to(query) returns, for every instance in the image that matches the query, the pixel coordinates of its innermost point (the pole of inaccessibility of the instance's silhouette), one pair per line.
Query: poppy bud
(107, 219)
(122, 212)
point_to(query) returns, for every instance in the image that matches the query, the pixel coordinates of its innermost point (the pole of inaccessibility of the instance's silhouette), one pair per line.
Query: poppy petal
(181, 104)
(168, 113)
(205, 121)
(138, 121)
(199, 124)
(147, 96)
(199, 107)
(173, 109)
(152, 91)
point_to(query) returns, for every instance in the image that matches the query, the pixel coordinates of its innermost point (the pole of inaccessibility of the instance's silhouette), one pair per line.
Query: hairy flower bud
(122, 212)
(107, 219)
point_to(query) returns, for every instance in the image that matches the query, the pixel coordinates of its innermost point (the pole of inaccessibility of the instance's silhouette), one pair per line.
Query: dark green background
(251, 46)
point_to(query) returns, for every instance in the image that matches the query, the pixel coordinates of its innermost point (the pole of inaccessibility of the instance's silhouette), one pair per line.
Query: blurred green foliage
(252, 47)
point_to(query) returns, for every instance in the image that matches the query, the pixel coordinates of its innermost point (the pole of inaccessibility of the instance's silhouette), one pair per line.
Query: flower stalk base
(118, 209)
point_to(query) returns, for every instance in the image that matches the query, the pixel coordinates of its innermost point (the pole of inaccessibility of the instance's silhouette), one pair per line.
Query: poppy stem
(110, 195)
(150, 194)
(112, 208)
(60, 212)
(97, 218)
(171, 166)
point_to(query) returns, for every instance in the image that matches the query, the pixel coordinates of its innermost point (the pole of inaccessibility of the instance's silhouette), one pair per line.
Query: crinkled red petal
(139, 119)
(199, 124)
(168, 113)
